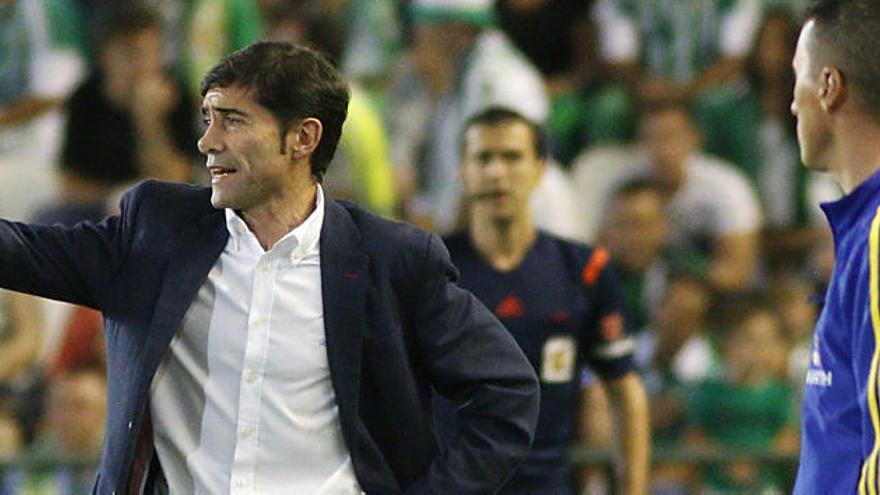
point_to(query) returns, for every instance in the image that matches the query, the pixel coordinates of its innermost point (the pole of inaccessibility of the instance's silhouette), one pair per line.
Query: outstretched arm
(72, 264)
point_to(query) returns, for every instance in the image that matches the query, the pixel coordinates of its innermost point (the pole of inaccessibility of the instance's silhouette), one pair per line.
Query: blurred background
(671, 141)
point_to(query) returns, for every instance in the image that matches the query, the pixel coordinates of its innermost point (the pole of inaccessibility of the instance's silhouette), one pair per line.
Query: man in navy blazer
(391, 322)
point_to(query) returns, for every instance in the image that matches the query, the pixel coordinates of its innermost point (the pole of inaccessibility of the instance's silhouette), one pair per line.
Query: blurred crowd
(671, 140)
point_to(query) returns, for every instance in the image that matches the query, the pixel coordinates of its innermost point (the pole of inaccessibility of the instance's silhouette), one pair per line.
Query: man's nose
(495, 167)
(210, 141)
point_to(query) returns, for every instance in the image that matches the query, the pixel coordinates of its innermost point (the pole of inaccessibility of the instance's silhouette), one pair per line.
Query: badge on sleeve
(558, 360)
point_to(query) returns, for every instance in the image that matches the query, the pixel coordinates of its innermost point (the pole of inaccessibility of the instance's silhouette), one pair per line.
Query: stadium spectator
(42, 59)
(129, 120)
(714, 216)
(677, 48)
(677, 351)
(634, 231)
(588, 106)
(456, 65)
(749, 406)
(74, 421)
(794, 296)
(675, 355)
(71, 435)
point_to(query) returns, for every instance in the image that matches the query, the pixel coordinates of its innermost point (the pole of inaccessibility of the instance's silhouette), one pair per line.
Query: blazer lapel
(344, 282)
(196, 250)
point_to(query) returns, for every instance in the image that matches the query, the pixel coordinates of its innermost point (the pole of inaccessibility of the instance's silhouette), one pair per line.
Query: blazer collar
(344, 282)
(196, 249)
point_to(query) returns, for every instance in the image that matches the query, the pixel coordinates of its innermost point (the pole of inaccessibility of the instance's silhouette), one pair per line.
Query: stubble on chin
(218, 201)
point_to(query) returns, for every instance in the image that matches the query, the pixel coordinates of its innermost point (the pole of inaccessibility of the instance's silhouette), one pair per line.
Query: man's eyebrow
(225, 111)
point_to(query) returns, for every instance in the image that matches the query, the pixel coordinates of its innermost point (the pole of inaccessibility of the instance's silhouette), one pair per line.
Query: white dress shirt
(243, 402)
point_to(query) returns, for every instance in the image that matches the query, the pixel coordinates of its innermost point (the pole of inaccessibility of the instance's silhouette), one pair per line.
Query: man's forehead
(805, 38)
(227, 96)
(498, 144)
(512, 133)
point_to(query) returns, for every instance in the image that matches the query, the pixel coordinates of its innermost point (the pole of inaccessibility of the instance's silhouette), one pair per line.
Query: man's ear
(833, 90)
(304, 138)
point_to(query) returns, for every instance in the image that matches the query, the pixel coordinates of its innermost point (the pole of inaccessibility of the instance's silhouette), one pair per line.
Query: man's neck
(856, 157)
(272, 220)
(502, 244)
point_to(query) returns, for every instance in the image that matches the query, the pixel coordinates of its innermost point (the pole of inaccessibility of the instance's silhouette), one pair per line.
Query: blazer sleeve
(474, 361)
(73, 264)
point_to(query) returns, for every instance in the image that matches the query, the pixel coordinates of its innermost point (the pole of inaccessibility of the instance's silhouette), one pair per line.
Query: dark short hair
(848, 37)
(733, 309)
(114, 20)
(496, 115)
(293, 82)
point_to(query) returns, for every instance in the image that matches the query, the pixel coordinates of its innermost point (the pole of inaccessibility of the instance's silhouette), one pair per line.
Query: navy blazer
(397, 326)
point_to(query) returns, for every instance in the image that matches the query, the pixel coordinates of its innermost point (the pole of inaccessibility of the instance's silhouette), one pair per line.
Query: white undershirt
(243, 401)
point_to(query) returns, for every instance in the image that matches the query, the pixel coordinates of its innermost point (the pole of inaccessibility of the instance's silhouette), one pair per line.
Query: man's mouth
(218, 173)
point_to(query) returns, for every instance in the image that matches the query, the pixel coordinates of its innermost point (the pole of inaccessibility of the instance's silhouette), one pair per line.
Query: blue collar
(845, 212)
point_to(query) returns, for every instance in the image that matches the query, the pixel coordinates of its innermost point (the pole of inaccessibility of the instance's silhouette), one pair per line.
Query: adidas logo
(509, 307)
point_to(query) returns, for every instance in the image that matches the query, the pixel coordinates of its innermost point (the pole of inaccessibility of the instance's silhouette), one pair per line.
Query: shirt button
(259, 322)
(130, 425)
(247, 431)
(251, 377)
(240, 482)
(264, 267)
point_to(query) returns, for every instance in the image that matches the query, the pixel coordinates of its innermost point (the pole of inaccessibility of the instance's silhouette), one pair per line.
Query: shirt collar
(302, 241)
(844, 212)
